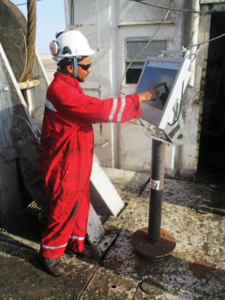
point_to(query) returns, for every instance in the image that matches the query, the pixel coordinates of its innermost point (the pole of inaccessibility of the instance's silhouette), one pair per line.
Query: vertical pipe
(66, 10)
(195, 18)
(156, 194)
(113, 73)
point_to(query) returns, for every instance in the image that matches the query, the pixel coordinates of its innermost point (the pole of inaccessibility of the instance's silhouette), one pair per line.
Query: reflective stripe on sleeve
(121, 110)
(48, 247)
(115, 102)
(49, 105)
(77, 238)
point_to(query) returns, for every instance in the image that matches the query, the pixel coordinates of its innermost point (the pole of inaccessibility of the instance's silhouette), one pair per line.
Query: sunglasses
(84, 67)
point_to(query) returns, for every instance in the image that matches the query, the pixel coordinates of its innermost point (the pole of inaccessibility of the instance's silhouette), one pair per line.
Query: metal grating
(29, 224)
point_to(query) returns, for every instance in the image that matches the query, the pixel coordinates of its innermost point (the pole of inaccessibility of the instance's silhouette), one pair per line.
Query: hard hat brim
(60, 57)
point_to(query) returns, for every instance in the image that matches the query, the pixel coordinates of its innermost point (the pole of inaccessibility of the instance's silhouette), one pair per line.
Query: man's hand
(151, 94)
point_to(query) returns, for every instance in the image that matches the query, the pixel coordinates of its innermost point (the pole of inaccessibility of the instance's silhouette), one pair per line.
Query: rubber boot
(53, 265)
(88, 252)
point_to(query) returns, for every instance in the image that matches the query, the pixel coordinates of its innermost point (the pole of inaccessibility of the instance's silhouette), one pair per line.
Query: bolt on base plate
(149, 251)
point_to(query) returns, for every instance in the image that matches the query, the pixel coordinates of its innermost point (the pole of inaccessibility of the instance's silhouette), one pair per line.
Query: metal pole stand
(153, 243)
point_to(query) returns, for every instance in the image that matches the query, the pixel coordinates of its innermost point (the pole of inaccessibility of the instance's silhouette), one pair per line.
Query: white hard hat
(69, 44)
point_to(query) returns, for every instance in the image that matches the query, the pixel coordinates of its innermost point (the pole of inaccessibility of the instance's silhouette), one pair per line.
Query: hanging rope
(179, 9)
(31, 35)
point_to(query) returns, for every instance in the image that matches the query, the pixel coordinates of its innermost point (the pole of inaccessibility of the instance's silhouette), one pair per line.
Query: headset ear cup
(54, 48)
(59, 32)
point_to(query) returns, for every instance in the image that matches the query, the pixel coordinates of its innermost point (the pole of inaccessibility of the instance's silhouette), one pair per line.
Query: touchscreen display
(157, 72)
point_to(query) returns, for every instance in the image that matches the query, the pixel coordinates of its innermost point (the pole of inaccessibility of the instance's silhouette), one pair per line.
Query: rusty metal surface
(28, 84)
(198, 238)
(106, 285)
(150, 251)
(151, 287)
(201, 268)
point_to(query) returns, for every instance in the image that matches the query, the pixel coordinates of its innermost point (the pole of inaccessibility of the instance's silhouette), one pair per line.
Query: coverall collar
(70, 80)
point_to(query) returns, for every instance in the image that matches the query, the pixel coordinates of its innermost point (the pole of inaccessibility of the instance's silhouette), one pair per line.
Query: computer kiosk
(165, 126)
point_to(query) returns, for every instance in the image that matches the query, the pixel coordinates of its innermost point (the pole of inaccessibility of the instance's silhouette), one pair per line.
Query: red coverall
(66, 156)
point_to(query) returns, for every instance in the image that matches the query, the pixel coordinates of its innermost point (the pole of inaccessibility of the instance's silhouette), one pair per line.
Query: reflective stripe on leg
(77, 238)
(49, 247)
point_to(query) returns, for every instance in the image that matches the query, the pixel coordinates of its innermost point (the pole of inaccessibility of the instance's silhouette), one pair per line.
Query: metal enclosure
(159, 112)
(116, 30)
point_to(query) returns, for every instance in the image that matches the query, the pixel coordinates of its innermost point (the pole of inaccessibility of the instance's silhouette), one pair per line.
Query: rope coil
(31, 35)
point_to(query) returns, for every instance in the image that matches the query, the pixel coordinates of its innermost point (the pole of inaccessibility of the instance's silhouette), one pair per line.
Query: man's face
(83, 69)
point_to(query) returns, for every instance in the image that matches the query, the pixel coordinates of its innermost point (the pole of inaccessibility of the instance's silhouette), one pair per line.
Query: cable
(145, 46)
(181, 101)
(143, 187)
(31, 35)
(177, 9)
(26, 3)
(198, 48)
(208, 41)
(196, 53)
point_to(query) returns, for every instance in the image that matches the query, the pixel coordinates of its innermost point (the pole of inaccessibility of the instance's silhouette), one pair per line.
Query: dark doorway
(211, 165)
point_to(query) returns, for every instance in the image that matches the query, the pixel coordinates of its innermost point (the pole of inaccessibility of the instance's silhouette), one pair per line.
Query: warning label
(155, 184)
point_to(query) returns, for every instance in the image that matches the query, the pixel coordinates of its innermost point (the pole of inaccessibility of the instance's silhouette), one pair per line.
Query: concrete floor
(195, 270)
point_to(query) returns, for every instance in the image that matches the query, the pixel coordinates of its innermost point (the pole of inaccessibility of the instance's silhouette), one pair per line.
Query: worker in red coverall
(66, 147)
